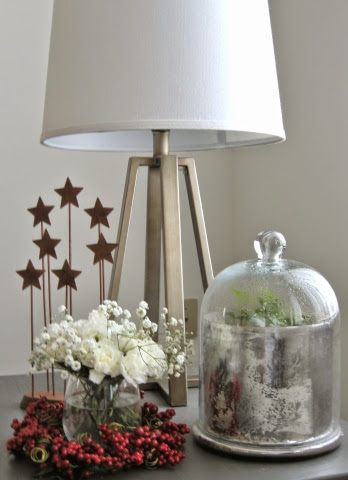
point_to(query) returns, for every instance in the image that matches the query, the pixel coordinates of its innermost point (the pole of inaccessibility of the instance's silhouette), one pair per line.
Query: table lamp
(161, 76)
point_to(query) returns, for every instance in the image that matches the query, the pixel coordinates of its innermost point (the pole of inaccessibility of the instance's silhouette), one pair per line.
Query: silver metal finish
(125, 215)
(270, 390)
(270, 357)
(163, 226)
(153, 244)
(189, 168)
(174, 288)
(318, 446)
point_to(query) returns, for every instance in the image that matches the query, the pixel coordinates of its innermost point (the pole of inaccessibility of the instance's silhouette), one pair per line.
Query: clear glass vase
(87, 405)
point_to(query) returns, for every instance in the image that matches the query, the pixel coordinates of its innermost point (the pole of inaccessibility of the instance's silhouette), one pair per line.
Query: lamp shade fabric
(203, 69)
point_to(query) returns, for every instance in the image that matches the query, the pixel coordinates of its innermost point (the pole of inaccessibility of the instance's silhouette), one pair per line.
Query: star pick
(102, 250)
(99, 214)
(47, 245)
(41, 212)
(30, 276)
(66, 276)
(68, 194)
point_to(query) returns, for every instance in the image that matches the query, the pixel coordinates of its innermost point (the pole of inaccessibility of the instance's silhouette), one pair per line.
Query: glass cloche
(270, 358)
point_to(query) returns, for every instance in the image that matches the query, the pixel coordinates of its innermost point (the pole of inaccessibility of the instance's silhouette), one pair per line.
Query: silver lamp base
(163, 234)
(318, 446)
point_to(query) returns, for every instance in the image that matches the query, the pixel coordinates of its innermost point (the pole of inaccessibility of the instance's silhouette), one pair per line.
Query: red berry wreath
(40, 438)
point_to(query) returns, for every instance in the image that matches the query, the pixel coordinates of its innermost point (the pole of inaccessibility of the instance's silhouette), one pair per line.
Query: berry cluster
(154, 443)
(41, 423)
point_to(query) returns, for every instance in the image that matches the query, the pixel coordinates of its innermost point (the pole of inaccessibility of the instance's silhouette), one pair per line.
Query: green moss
(263, 310)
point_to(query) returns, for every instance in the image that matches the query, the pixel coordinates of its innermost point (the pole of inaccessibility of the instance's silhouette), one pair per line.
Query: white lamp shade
(203, 69)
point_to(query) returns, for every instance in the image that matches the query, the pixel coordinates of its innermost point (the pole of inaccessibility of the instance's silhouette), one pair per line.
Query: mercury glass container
(270, 358)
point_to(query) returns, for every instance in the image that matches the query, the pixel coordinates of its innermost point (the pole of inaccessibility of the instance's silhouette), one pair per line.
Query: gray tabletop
(200, 464)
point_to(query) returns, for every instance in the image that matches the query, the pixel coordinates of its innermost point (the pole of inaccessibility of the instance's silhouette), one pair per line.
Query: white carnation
(154, 358)
(95, 327)
(96, 377)
(107, 359)
(125, 342)
(133, 368)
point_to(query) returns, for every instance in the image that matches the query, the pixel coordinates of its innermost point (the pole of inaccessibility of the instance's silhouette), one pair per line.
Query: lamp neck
(160, 142)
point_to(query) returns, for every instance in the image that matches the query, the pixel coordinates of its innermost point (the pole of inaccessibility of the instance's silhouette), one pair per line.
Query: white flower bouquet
(108, 344)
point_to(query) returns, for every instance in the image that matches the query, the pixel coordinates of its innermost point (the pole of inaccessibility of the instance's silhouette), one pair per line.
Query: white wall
(297, 187)
(31, 170)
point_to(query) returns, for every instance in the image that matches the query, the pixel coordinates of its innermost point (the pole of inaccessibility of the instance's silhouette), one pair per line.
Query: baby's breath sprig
(176, 347)
(109, 343)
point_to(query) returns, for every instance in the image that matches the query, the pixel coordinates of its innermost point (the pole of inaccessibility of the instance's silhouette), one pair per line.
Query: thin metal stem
(160, 142)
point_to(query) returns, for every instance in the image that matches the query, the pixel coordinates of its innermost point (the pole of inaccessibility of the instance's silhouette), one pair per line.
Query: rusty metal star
(41, 212)
(30, 276)
(99, 214)
(47, 245)
(102, 250)
(66, 276)
(68, 194)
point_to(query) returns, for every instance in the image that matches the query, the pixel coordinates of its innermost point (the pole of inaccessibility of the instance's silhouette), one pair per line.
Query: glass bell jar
(270, 358)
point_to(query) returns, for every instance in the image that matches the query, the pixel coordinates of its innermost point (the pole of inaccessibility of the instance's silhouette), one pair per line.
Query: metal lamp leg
(163, 219)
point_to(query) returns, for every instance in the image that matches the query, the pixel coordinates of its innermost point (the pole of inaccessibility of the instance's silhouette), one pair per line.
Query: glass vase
(87, 405)
(270, 358)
